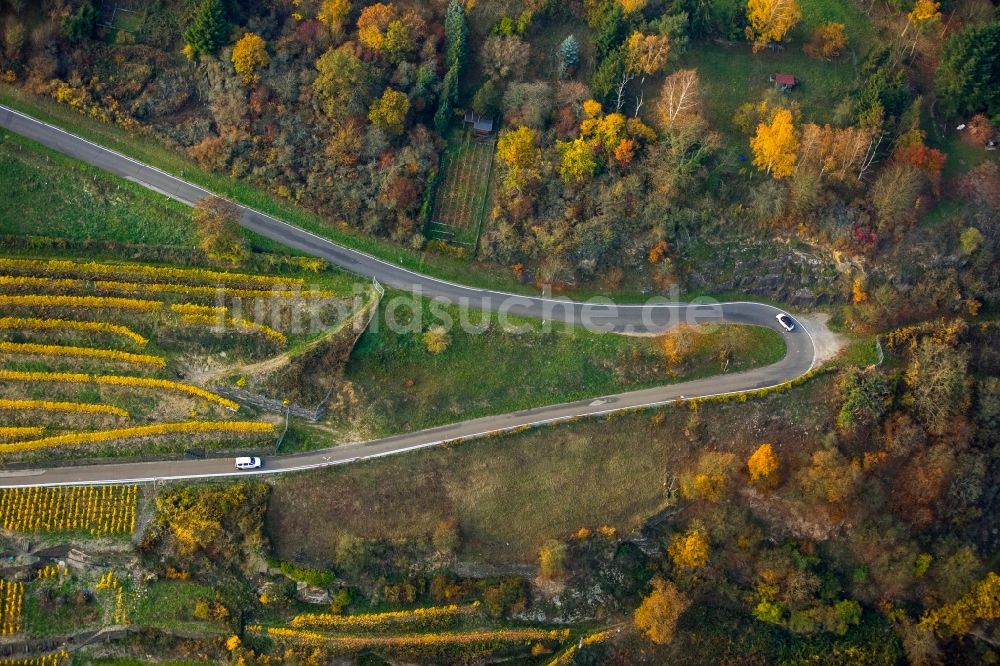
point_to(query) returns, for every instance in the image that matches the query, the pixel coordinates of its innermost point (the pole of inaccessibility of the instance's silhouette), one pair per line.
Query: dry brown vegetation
(509, 495)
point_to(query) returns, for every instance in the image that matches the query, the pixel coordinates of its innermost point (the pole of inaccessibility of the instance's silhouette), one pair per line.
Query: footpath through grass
(403, 387)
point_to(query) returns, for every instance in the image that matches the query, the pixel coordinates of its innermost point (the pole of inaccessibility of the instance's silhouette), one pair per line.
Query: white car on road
(785, 321)
(248, 463)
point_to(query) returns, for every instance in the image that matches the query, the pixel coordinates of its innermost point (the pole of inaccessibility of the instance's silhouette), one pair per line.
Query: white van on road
(248, 463)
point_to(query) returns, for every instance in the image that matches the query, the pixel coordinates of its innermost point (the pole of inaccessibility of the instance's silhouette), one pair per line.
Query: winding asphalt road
(605, 316)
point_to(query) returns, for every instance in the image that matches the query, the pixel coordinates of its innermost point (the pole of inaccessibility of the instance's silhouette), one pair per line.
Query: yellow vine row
(72, 284)
(11, 607)
(139, 271)
(54, 406)
(21, 281)
(81, 352)
(98, 436)
(168, 385)
(429, 639)
(54, 659)
(19, 432)
(191, 313)
(110, 582)
(240, 324)
(119, 380)
(202, 310)
(57, 301)
(97, 510)
(197, 290)
(72, 324)
(374, 620)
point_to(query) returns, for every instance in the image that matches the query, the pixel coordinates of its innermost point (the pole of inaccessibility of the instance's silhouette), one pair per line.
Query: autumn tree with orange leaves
(382, 29)
(911, 149)
(374, 23)
(763, 467)
(657, 615)
(827, 41)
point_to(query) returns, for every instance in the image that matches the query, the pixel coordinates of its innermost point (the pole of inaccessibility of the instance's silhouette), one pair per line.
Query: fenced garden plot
(462, 193)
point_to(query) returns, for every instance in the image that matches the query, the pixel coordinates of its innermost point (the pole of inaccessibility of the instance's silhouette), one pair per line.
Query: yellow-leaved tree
(578, 162)
(924, 14)
(249, 57)
(645, 55)
(552, 560)
(770, 20)
(436, 339)
(826, 41)
(709, 479)
(333, 12)
(925, 10)
(776, 145)
(517, 151)
(389, 111)
(981, 603)
(689, 550)
(219, 233)
(373, 24)
(763, 467)
(657, 615)
(605, 132)
(632, 6)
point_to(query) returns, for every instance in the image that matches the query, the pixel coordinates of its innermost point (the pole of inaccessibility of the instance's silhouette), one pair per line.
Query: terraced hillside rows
(54, 659)
(95, 510)
(106, 358)
(450, 633)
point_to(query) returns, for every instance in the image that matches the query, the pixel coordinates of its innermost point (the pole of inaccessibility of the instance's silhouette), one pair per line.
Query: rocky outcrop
(794, 275)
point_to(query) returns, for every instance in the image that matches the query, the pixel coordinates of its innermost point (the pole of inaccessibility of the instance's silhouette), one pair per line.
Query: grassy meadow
(731, 76)
(403, 386)
(48, 194)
